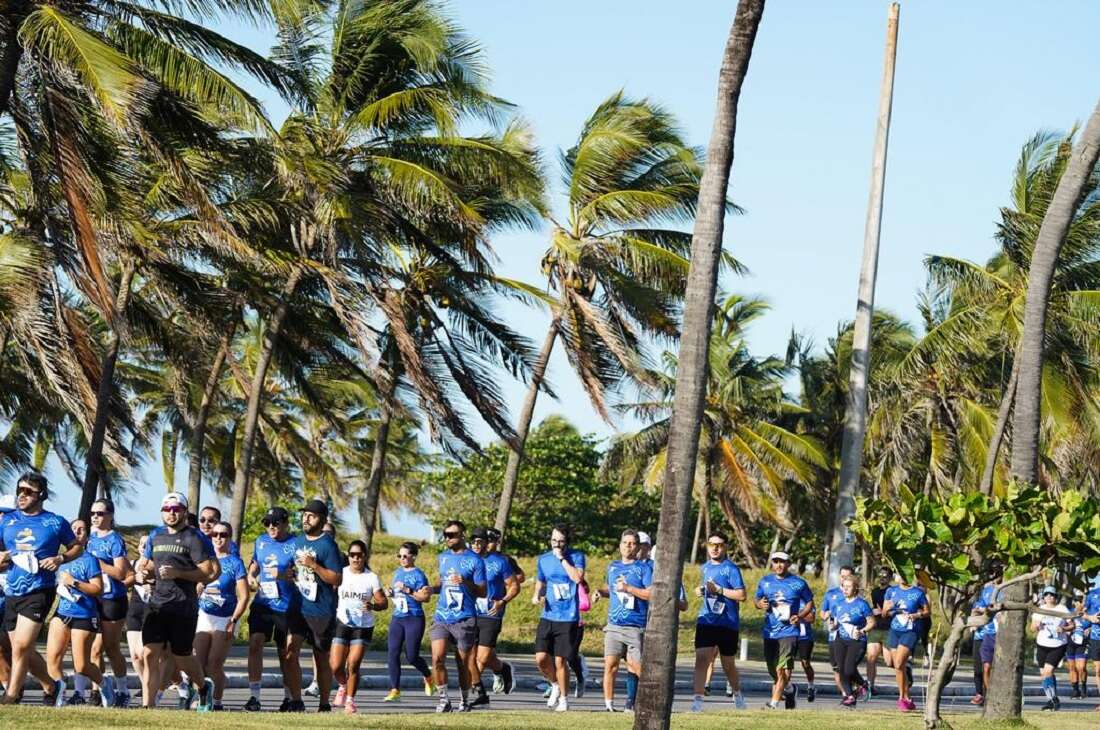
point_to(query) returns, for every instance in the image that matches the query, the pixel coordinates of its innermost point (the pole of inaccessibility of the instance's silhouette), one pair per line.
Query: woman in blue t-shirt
(851, 617)
(408, 590)
(221, 605)
(106, 545)
(76, 621)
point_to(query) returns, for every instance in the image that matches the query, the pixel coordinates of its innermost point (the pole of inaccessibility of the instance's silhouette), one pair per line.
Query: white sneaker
(555, 695)
(312, 690)
(739, 701)
(697, 704)
(563, 705)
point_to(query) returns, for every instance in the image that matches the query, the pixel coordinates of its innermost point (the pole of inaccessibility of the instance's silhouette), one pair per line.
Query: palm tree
(615, 275)
(1077, 182)
(373, 171)
(751, 450)
(654, 709)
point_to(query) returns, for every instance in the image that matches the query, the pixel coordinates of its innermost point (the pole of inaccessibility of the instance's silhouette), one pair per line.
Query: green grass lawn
(30, 718)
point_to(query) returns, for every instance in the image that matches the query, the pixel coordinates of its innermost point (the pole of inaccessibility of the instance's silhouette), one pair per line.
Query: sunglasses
(780, 560)
(452, 535)
(356, 555)
(208, 520)
(173, 508)
(271, 523)
(100, 513)
(404, 557)
(220, 535)
(27, 492)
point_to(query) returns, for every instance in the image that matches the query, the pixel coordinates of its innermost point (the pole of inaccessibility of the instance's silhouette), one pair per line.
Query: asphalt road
(528, 695)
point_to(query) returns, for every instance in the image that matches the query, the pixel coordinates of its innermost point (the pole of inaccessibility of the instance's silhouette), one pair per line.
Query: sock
(1054, 684)
(1048, 687)
(465, 695)
(254, 689)
(81, 685)
(608, 704)
(810, 685)
(122, 683)
(443, 692)
(631, 687)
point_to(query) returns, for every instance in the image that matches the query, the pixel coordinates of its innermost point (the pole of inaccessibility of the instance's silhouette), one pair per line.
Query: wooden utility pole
(855, 415)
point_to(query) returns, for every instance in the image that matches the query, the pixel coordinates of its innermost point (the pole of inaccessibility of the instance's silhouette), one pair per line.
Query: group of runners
(179, 602)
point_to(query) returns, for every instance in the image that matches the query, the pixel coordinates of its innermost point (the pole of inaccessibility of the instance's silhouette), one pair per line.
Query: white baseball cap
(779, 555)
(643, 538)
(174, 498)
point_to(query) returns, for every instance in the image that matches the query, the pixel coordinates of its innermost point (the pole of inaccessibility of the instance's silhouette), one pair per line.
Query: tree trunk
(855, 414)
(515, 457)
(1003, 412)
(11, 51)
(368, 503)
(93, 467)
(942, 672)
(654, 707)
(1006, 683)
(243, 473)
(198, 429)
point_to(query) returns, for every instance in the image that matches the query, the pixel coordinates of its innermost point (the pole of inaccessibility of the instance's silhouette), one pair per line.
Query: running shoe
(547, 690)
(498, 684)
(563, 705)
(706, 691)
(341, 696)
(464, 706)
(1076, 694)
(771, 705)
(789, 697)
(555, 695)
(482, 700)
(393, 696)
(508, 677)
(910, 705)
(186, 702)
(296, 706)
(697, 704)
(902, 705)
(350, 708)
(1057, 703)
(863, 693)
(253, 705)
(739, 701)
(1049, 706)
(122, 699)
(312, 690)
(76, 700)
(284, 706)
(429, 687)
(444, 705)
(609, 708)
(218, 707)
(977, 700)
(849, 701)
(57, 697)
(324, 707)
(206, 695)
(729, 690)
(811, 693)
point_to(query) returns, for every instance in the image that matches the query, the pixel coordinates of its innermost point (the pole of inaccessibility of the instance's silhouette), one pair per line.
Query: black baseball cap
(480, 533)
(317, 507)
(277, 514)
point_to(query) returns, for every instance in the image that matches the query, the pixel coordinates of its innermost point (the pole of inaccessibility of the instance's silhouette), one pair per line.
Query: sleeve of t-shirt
(66, 534)
(578, 560)
(827, 602)
(647, 576)
(147, 553)
(538, 571)
(760, 590)
(199, 551)
(374, 584)
(806, 594)
(736, 580)
(332, 558)
(506, 571)
(241, 571)
(478, 576)
(93, 568)
(923, 599)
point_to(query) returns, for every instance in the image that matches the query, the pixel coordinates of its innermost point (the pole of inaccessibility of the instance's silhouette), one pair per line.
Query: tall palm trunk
(842, 550)
(93, 468)
(1006, 683)
(198, 428)
(515, 455)
(703, 523)
(11, 50)
(368, 503)
(654, 708)
(243, 473)
(999, 428)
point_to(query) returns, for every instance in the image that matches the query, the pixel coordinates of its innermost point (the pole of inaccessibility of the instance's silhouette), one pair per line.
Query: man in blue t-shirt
(501, 588)
(985, 640)
(318, 572)
(30, 542)
(461, 583)
(1091, 613)
(828, 602)
(269, 577)
(628, 582)
(718, 625)
(560, 572)
(788, 605)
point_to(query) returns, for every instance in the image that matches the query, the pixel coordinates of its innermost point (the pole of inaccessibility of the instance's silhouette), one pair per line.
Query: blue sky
(974, 81)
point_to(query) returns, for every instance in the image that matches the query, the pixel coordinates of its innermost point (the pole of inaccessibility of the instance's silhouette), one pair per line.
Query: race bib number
(67, 593)
(716, 605)
(782, 611)
(1078, 637)
(308, 589)
(848, 630)
(270, 589)
(906, 623)
(216, 598)
(562, 591)
(627, 600)
(107, 584)
(26, 560)
(455, 597)
(143, 591)
(401, 603)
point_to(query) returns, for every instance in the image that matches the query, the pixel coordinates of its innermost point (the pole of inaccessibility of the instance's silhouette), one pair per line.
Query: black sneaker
(444, 705)
(482, 700)
(253, 705)
(509, 678)
(464, 706)
(76, 700)
(95, 698)
(811, 693)
(324, 707)
(706, 691)
(1049, 706)
(217, 707)
(284, 706)
(296, 706)
(1057, 703)
(789, 701)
